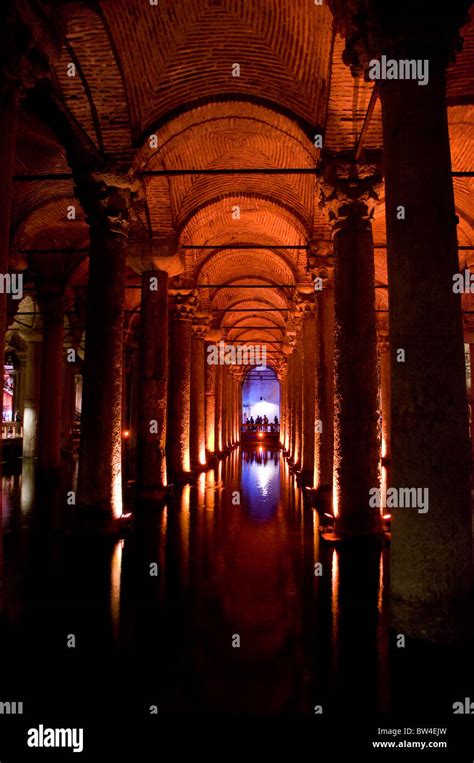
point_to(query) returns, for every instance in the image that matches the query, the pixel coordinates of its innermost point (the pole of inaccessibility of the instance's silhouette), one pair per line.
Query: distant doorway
(261, 405)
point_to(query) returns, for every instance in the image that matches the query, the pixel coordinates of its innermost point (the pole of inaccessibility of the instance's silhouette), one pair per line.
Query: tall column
(471, 358)
(290, 407)
(297, 403)
(385, 404)
(152, 413)
(20, 384)
(324, 455)
(32, 394)
(179, 398)
(106, 201)
(210, 391)
(431, 565)
(219, 374)
(350, 206)
(309, 373)
(49, 423)
(69, 370)
(225, 408)
(198, 397)
(8, 124)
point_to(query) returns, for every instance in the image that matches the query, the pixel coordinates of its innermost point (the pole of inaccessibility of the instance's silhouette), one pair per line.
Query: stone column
(219, 373)
(49, 422)
(289, 398)
(152, 414)
(32, 394)
(69, 370)
(471, 358)
(179, 399)
(297, 403)
(431, 567)
(324, 455)
(350, 204)
(20, 384)
(225, 408)
(309, 373)
(9, 95)
(384, 350)
(106, 200)
(198, 397)
(431, 553)
(210, 391)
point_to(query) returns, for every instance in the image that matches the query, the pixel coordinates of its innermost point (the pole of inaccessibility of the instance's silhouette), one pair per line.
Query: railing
(11, 430)
(269, 428)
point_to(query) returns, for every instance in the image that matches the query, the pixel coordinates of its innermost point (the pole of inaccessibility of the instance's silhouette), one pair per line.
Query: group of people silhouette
(262, 424)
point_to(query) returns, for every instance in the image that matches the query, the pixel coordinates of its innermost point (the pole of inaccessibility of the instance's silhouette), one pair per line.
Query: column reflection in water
(236, 553)
(115, 588)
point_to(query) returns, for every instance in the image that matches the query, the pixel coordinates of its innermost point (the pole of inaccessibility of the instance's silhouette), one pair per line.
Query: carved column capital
(106, 198)
(349, 192)
(305, 305)
(201, 326)
(183, 305)
(411, 30)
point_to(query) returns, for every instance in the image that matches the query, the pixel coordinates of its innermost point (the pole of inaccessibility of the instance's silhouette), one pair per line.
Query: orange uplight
(125, 516)
(125, 434)
(260, 434)
(386, 516)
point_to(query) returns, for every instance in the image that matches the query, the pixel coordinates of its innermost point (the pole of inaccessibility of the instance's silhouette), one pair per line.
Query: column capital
(349, 191)
(200, 326)
(321, 262)
(31, 36)
(305, 305)
(411, 30)
(183, 305)
(106, 197)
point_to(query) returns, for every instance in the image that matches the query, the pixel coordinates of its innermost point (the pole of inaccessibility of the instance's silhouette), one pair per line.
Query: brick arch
(227, 265)
(230, 135)
(283, 49)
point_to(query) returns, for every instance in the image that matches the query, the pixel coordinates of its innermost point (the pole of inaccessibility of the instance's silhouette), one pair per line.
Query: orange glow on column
(115, 586)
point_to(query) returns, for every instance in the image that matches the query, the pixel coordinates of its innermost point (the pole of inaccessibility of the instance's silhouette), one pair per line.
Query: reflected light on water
(115, 585)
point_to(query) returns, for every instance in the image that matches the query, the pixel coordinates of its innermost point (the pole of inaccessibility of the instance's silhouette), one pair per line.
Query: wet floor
(224, 600)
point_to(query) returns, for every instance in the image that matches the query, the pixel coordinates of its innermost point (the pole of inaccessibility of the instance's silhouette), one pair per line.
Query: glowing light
(260, 434)
(126, 516)
(386, 516)
(115, 584)
(126, 434)
(335, 496)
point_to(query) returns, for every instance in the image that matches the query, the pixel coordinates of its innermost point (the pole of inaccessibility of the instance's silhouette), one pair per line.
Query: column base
(88, 520)
(333, 538)
(436, 621)
(151, 493)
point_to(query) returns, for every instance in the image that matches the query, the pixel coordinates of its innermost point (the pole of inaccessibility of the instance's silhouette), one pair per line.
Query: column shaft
(356, 449)
(210, 387)
(49, 423)
(179, 410)
(32, 398)
(152, 385)
(324, 445)
(431, 552)
(100, 452)
(310, 354)
(198, 402)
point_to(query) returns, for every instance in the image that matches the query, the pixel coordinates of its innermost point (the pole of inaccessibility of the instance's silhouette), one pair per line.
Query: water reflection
(261, 482)
(236, 554)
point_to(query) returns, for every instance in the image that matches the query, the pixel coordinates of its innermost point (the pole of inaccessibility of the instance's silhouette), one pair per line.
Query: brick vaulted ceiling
(166, 70)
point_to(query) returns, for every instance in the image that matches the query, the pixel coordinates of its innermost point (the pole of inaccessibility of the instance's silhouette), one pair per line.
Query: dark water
(236, 555)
